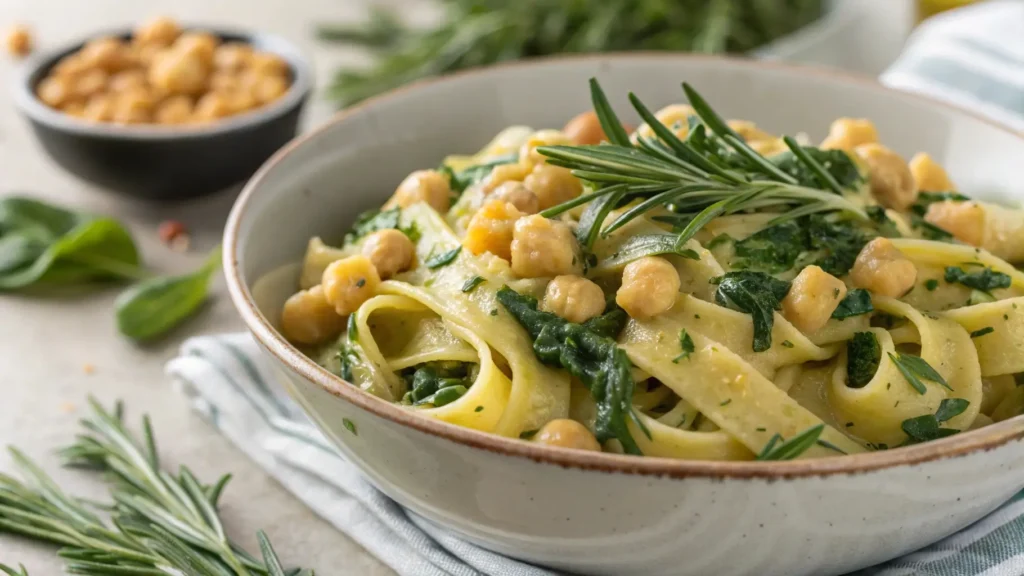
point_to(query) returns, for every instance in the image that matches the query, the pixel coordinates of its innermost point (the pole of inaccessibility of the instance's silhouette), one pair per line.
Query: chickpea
(92, 82)
(107, 53)
(848, 133)
(174, 110)
(528, 151)
(928, 175)
(566, 433)
(585, 129)
(574, 298)
(307, 318)
(491, 229)
(99, 108)
(428, 186)
(133, 107)
(749, 131)
(69, 66)
(232, 56)
(127, 80)
(553, 185)
(349, 282)
(390, 251)
(239, 101)
(542, 247)
(502, 173)
(883, 269)
(518, 195)
(225, 82)
(964, 220)
(269, 88)
(210, 107)
(74, 108)
(146, 54)
(161, 31)
(267, 64)
(201, 44)
(178, 73)
(674, 116)
(813, 297)
(649, 287)
(892, 184)
(55, 90)
(19, 41)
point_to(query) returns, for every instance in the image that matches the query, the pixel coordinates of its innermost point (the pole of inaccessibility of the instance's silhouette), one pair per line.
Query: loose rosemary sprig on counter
(711, 173)
(160, 523)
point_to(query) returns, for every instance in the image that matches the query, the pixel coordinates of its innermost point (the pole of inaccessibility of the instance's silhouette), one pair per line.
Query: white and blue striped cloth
(973, 57)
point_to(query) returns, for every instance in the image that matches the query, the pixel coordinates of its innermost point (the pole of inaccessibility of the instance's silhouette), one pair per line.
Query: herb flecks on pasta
(698, 288)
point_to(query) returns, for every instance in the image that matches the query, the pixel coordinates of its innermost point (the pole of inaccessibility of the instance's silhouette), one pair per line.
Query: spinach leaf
(438, 383)
(43, 221)
(594, 358)
(885, 225)
(915, 369)
(928, 230)
(836, 162)
(757, 294)
(986, 280)
(856, 302)
(153, 307)
(373, 220)
(610, 323)
(17, 250)
(926, 199)
(472, 175)
(838, 241)
(863, 356)
(928, 427)
(472, 284)
(773, 249)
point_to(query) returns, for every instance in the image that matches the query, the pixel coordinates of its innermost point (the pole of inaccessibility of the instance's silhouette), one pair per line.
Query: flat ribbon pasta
(1000, 351)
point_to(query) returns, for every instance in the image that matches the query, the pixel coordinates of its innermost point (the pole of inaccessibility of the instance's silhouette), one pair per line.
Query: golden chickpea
(848, 133)
(964, 220)
(566, 433)
(225, 82)
(585, 129)
(74, 108)
(178, 73)
(307, 318)
(55, 90)
(267, 64)
(133, 107)
(928, 175)
(201, 44)
(518, 195)
(127, 80)
(349, 282)
(883, 269)
(491, 229)
(649, 287)
(674, 116)
(69, 66)
(232, 56)
(749, 131)
(542, 247)
(19, 41)
(174, 110)
(390, 251)
(528, 151)
(813, 297)
(210, 107)
(107, 53)
(892, 184)
(553, 185)
(574, 298)
(239, 101)
(99, 108)
(161, 31)
(92, 82)
(502, 173)
(145, 54)
(428, 186)
(269, 88)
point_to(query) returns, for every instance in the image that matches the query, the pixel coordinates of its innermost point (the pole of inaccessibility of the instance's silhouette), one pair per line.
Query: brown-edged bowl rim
(986, 438)
(31, 69)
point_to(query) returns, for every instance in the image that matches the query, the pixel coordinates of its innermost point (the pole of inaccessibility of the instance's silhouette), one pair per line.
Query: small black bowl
(167, 162)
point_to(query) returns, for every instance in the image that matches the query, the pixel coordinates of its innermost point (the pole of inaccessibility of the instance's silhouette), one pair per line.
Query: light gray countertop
(47, 343)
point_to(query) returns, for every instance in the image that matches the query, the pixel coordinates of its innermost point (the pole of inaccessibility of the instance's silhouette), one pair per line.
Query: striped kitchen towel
(972, 57)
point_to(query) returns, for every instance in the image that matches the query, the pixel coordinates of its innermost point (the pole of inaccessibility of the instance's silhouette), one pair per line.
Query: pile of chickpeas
(164, 75)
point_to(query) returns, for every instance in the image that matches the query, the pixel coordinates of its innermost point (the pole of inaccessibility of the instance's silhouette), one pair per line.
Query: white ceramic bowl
(604, 513)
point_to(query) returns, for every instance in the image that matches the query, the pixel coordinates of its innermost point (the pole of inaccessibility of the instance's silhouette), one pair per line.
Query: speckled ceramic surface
(603, 513)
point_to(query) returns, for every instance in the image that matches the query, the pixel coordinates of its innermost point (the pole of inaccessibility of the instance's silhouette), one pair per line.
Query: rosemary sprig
(711, 173)
(777, 449)
(159, 524)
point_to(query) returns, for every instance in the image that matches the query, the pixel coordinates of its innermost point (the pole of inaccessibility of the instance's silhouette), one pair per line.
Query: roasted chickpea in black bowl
(165, 111)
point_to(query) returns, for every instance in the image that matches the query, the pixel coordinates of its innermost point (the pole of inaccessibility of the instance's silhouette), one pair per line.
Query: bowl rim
(33, 108)
(982, 439)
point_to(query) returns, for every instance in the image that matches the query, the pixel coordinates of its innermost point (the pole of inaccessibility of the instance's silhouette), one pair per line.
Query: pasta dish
(695, 288)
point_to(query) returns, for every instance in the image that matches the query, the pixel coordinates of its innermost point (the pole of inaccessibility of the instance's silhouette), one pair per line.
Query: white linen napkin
(972, 57)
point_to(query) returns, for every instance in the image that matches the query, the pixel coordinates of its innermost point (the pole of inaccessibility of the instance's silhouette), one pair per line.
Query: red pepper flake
(171, 229)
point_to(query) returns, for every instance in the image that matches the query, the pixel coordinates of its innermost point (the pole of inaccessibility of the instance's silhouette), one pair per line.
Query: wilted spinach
(836, 162)
(985, 280)
(863, 356)
(757, 294)
(857, 302)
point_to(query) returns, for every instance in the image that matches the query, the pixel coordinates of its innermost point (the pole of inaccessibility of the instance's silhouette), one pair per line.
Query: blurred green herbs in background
(480, 32)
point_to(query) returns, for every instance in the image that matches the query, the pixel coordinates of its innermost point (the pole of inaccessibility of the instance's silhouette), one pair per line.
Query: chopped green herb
(696, 316)
(856, 302)
(442, 259)
(777, 449)
(927, 427)
(471, 175)
(849, 424)
(350, 426)
(361, 282)
(1006, 316)
(757, 294)
(986, 280)
(787, 344)
(686, 343)
(835, 293)
(472, 283)
(931, 284)
(830, 446)
(926, 199)
(982, 331)
(438, 383)
(527, 434)
(494, 312)
(726, 402)
(719, 240)
(374, 220)
(863, 355)
(353, 329)
(478, 409)
(915, 369)
(761, 429)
